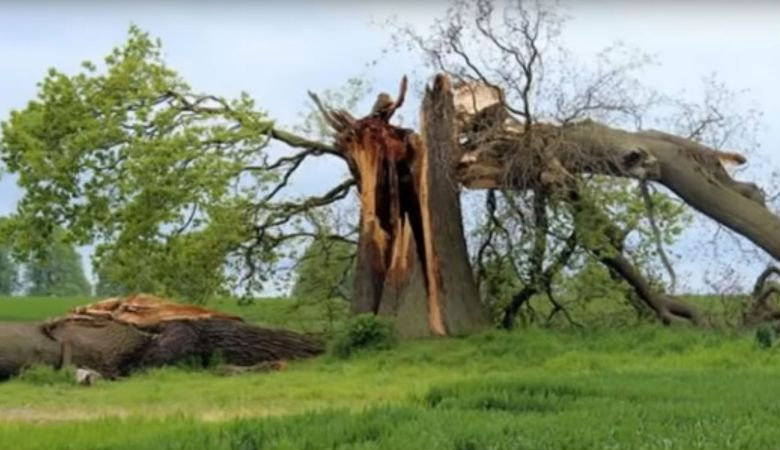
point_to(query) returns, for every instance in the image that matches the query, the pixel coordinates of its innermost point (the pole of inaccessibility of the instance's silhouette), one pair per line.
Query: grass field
(27, 309)
(640, 387)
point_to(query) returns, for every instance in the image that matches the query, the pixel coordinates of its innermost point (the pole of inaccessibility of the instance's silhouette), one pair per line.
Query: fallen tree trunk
(238, 344)
(496, 152)
(114, 349)
(22, 345)
(118, 336)
(508, 157)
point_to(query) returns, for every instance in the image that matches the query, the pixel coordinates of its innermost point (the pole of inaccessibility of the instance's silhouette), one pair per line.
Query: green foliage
(647, 387)
(56, 271)
(130, 157)
(325, 270)
(364, 332)
(44, 375)
(507, 266)
(190, 266)
(499, 283)
(9, 268)
(591, 291)
(625, 208)
(108, 283)
(764, 336)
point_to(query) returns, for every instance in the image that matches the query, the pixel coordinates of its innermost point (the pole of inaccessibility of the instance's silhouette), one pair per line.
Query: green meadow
(639, 387)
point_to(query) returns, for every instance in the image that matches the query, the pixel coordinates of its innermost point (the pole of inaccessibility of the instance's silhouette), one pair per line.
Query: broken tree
(412, 262)
(500, 152)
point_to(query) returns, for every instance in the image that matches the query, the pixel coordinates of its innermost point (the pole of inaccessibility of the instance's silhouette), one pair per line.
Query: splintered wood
(395, 223)
(408, 208)
(143, 310)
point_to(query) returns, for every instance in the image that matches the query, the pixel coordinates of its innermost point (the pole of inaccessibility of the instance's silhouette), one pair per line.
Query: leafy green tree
(165, 181)
(173, 187)
(57, 271)
(325, 270)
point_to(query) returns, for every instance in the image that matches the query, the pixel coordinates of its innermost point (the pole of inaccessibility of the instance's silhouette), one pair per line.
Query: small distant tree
(107, 286)
(325, 270)
(9, 272)
(57, 271)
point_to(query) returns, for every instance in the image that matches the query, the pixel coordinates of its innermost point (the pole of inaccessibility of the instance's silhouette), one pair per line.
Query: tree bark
(412, 262)
(110, 348)
(457, 289)
(235, 343)
(691, 170)
(22, 345)
(116, 349)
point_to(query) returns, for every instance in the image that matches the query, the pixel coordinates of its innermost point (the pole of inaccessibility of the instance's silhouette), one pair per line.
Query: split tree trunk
(412, 262)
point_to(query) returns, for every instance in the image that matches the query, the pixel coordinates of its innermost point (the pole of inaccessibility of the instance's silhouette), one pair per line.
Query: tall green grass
(672, 410)
(643, 387)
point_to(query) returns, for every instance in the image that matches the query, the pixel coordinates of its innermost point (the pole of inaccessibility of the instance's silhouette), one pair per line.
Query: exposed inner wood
(394, 210)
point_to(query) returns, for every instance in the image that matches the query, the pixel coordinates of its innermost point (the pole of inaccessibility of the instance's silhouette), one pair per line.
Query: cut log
(23, 345)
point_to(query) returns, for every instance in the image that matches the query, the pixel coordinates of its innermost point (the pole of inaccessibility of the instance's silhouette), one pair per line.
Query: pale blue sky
(276, 51)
